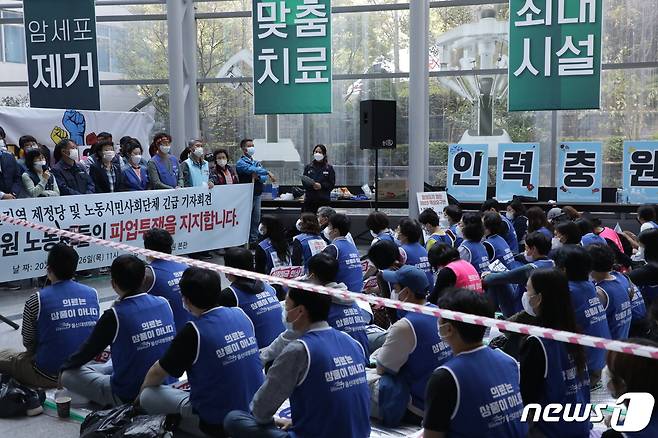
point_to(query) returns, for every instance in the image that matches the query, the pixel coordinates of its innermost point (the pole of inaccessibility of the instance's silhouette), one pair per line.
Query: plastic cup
(63, 406)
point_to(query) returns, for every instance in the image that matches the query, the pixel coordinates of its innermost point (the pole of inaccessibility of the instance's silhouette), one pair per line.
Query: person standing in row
(251, 171)
(320, 171)
(163, 167)
(223, 173)
(195, 170)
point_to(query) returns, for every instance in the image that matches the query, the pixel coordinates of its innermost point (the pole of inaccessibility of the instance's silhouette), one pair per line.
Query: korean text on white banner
(467, 171)
(49, 126)
(437, 201)
(518, 170)
(641, 172)
(199, 219)
(579, 172)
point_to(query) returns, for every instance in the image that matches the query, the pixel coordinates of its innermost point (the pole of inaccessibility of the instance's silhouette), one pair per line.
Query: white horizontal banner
(199, 219)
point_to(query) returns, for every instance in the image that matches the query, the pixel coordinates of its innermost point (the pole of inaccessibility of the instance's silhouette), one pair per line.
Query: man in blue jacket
(250, 170)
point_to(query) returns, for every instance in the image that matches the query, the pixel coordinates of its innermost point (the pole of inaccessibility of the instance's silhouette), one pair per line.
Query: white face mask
(262, 230)
(528, 258)
(251, 150)
(525, 300)
(3, 145)
(108, 155)
(39, 165)
(325, 233)
(284, 316)
(298, 225)
(222, 163)
(165, 149)
(318, 157)
(198, 152)
(509, 215)
(458, 232)
(73, 154)
(442, 336)
(556, 243)
(373, 234)
(135, 159)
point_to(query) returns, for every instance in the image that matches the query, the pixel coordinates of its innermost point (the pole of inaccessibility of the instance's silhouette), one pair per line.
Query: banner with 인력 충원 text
(517, 171)
(199, 219)
(640, 172)
(468, 171)
(579, 172)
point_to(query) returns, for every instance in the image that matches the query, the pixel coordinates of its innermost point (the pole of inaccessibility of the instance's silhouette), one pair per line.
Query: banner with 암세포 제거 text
(199, 219)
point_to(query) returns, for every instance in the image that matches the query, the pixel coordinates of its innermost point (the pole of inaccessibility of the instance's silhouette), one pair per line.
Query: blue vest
(651, 431)
(350, 318)
(167, 177)
(264, 310)
(590, 318)
(198, 175)
(166, 276)
(132, 181)
(68, 312)
(453, 230)
(349, 265)
(145, 329)
(227, 371)
(440, 238)
(502, 251)
(592, 239)
(618, 312)
(562, 384)
(510, 235)
(476, 254)
(638, 307)
(430, 353)
(272, 258)
(385, 235)
(333, 400)
(486, 378)
(417, 256)
(311, 245)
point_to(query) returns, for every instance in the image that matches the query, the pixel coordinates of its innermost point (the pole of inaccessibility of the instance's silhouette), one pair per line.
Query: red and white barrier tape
(526, 329)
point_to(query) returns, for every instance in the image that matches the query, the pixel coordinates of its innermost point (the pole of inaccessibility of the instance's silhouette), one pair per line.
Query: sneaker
(34, 405)
(10, 285)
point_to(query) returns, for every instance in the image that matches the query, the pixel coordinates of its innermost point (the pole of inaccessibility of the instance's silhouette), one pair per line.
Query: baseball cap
(408, 276)
(554, 213)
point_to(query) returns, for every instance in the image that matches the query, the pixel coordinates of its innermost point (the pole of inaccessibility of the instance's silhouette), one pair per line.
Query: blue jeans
(240, 424)
(255, 220)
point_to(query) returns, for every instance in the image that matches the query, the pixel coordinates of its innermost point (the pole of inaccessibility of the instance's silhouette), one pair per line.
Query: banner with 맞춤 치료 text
(199, 219)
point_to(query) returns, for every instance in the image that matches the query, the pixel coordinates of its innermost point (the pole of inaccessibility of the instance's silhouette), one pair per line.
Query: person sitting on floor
(323, 375)
(508, 233)
(56, 320)
(411, 351)
(452, 271)
(349, 262)
(138, 326)
(308, 242)
(459, 389)
(218, 351)
(410, 235)
(431, 223)
(379, 227)
(257, 299)
(166, 274)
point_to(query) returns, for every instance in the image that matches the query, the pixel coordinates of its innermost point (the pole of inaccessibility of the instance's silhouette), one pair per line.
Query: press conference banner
(517, 170)
(641, 172)
(292, 56)
(467, 171)
(49, 126)
(579, 172)
(62, 61)
(199, 219)
(554, 54)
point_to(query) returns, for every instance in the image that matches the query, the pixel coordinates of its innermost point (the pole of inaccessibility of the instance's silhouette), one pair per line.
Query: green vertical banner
(62, 63)
(292, 56)
(554, 54)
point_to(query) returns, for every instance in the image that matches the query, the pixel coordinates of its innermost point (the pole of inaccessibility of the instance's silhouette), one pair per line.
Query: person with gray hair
(195, 170)
(324, 214)
(189, 148)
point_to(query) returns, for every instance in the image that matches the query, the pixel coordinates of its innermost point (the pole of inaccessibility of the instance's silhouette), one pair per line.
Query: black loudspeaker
(378, 127)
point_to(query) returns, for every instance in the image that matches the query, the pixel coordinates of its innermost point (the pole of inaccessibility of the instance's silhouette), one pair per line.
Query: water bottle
(275, 190)
(620, 196)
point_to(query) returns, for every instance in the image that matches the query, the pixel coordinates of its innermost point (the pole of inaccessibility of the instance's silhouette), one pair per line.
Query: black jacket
(72, 179)
(101, 180)
(323, 174)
